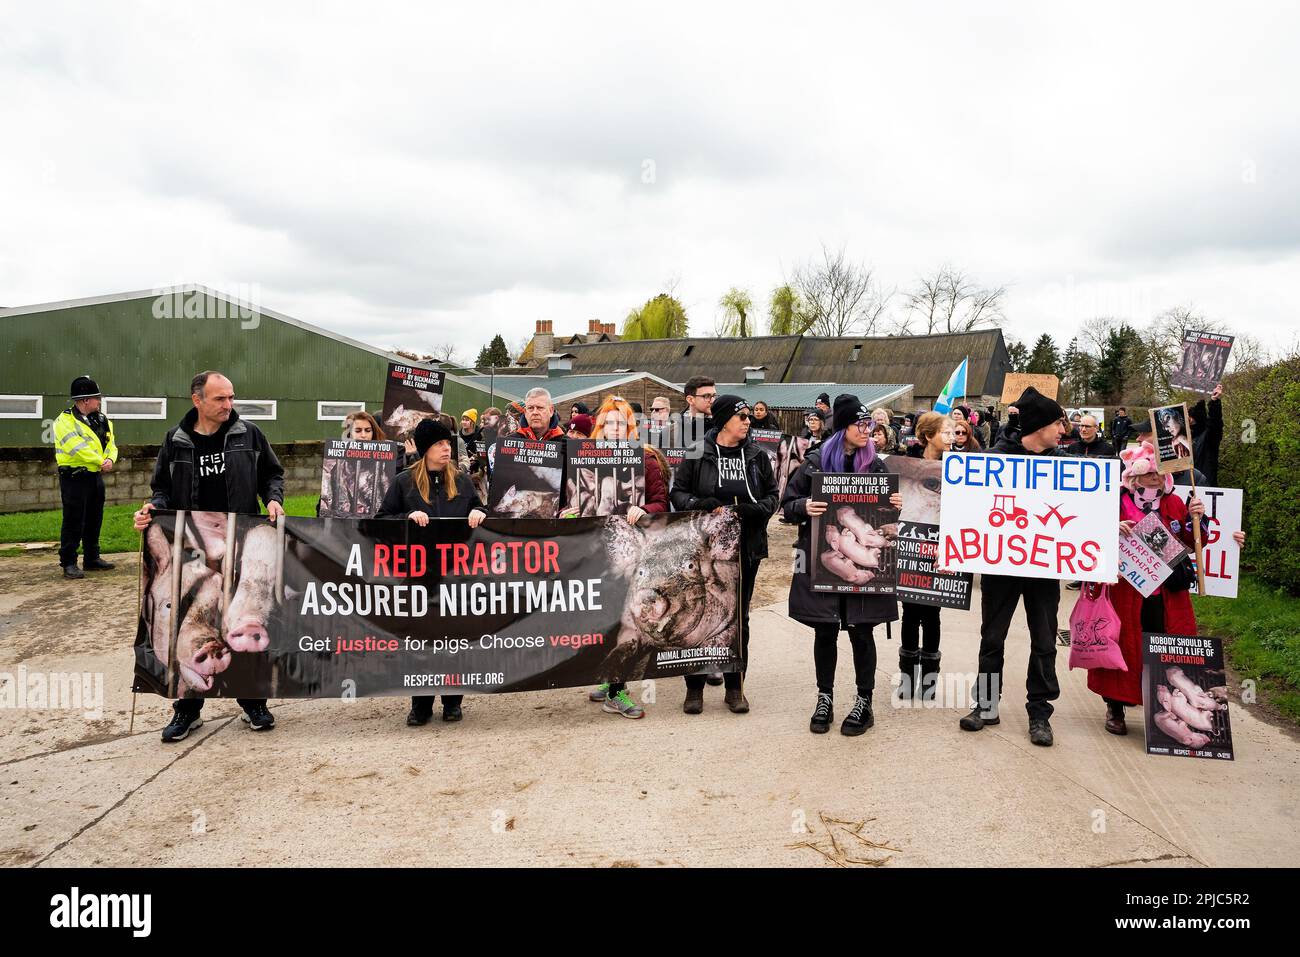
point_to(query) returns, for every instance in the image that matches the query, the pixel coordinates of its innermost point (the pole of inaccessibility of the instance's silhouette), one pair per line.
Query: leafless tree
(839, 297)
(949, 301)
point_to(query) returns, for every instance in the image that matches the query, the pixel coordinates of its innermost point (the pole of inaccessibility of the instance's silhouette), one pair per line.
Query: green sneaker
(599, 693)
(623, 704)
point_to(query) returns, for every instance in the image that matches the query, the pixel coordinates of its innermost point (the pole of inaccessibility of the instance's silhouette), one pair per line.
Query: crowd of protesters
(213, 460)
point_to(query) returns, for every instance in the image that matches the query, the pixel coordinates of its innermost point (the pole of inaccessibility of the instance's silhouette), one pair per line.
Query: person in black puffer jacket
(847, 450)
(432, 487)
(726, 470)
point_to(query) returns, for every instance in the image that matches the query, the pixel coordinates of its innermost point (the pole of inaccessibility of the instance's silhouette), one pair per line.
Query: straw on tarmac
(548, 778)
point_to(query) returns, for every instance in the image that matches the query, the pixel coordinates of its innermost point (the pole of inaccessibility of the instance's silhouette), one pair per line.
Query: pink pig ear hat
(1141, 461)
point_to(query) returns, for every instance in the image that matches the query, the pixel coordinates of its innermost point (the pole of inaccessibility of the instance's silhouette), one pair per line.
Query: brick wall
(29, 480)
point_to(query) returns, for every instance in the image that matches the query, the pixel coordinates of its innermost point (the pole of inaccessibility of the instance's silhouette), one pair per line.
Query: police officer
(83, 449)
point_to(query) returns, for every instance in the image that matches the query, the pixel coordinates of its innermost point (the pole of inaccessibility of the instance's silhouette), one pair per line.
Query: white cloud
(423, 175)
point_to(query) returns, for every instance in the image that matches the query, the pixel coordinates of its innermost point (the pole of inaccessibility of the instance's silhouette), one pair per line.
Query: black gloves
(707, 504)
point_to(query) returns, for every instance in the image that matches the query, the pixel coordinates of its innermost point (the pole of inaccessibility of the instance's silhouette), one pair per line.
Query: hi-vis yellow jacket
(77, 445)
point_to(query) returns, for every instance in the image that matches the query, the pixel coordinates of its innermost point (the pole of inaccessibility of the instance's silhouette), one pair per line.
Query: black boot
(929, 674)
(823, 715)
(909, 667)
(859, 719)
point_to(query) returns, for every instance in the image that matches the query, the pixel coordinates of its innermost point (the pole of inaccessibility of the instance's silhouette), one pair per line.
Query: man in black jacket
(1041, 424)
(1121, 428)
(727, 470)
(1090, 444)
(1207, 434)
(213, 461)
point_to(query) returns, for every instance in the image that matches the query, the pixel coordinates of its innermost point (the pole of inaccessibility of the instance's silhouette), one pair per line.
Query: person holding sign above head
(432, 487)
(849, 449)
(1168, 609)
(616, 422)
(1041, 424)
(729, 471)
(918, 653)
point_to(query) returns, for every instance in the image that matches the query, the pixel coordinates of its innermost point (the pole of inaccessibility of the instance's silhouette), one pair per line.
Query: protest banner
(1031, 516)
(526, 477)
(919, 581)
(1185, 696)
(1014, 385)
(355, 477)
(320, 608)
(855, 541)
(1222, 554)
(1173, 438)
(1204, 357)
(603, 477)
(1148, 556)
(411, 395)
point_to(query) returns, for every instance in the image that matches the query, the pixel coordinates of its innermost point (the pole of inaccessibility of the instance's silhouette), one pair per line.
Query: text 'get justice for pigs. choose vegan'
(530, 558)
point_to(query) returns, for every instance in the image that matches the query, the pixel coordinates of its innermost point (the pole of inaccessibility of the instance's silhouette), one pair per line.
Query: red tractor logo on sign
(1004, 509)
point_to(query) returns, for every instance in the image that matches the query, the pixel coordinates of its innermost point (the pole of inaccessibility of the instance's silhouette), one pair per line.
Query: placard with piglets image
(855, 541)
(1222, 554)
(1031, 516)
(603, 478)
(355, 477)
(1148, 556)
(411, 395)
(1185, 695)
(526, 477)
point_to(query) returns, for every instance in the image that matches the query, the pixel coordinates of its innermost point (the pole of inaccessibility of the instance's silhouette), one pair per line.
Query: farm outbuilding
(295, 380)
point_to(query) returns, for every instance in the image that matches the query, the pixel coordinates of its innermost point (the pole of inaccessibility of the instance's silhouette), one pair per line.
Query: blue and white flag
(955, 389)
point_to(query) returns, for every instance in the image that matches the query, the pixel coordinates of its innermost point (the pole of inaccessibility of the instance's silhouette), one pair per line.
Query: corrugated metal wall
(129, 352)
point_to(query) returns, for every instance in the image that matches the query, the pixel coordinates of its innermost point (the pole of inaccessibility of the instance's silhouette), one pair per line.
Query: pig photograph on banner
(1173, 438)
(209, 591)
(1185, 696)
(411, 395)
(1201, 364)
(1220, 551)
(920, 482)
(603, 478)
(1031, 516)
(1148, 554)
(855, 541)
(355, 477)
(526, 478)
(233, 606)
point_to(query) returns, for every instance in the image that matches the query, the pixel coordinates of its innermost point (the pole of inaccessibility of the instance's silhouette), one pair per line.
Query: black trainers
(1040, 732)
(97, 565)
(859, 719)
(823, 715)
(452, 712)
(419, 715)
(72, 571)
(181, 725)
(258, 718)
(978, 718)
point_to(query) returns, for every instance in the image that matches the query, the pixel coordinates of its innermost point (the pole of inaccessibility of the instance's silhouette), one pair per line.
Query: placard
(526, 477)
(1015, 384)
(855, 541)
(1222, 553)
(1185, 696)
(1202, 362)
(355, 477)
(1171, 429)
(919, 581)
(411, 395)
(603, 477)
(1148, 556)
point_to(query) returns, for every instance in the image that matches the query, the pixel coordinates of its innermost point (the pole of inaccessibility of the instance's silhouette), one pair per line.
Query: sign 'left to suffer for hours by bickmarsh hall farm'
(1031, 516)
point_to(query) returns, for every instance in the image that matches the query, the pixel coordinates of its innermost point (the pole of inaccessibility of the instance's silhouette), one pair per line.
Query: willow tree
(662, 317)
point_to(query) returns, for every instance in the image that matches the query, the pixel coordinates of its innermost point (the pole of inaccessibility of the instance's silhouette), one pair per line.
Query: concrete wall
(29, 480)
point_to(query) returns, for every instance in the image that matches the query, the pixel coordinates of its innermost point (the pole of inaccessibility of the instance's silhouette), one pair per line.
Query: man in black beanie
(1041, 424)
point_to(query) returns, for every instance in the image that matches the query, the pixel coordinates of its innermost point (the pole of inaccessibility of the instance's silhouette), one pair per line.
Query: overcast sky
(421, 174)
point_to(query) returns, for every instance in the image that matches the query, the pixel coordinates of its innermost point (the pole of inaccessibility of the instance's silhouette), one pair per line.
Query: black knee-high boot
(909, 666)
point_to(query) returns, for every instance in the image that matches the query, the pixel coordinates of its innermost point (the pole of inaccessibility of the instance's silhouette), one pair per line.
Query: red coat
(656, 489)
(1126, 686)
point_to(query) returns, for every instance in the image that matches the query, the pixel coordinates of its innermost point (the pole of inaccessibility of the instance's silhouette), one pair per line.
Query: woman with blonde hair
(432, 487)
(616, 422)
(918, 654)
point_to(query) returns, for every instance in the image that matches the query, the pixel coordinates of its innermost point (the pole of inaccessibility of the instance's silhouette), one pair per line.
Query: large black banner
(319, 608)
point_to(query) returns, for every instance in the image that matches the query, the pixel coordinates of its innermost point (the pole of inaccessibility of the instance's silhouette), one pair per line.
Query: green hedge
(1261, 456)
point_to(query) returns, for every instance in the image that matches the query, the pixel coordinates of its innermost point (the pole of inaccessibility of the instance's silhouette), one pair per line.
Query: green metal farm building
(295, 380)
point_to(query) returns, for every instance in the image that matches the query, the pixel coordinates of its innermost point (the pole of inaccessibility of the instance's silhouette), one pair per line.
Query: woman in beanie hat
(730, 472)
(815, 428)
(1143, 491)
(580, 426)
(849, 449)
(432, 487)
